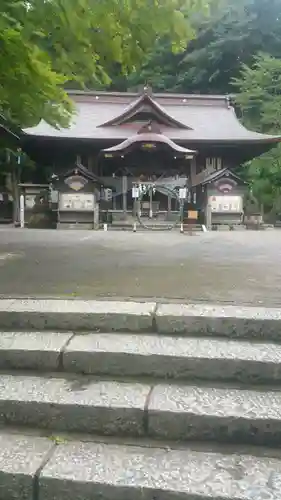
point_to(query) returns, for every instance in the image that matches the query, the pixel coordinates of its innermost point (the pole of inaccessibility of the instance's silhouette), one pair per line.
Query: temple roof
(149, 136)
(219, 174)
(145, 104)
(79, 169)
(182, 118)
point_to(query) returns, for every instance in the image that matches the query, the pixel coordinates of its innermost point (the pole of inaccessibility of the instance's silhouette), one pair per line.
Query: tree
(259, 98)
(233, 34)
(45, 45)
(12, 162)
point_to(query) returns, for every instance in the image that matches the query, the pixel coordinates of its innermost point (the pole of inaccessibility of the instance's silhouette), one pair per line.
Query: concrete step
(139, 355)
(35, 467)
(161, 411)
(258, 323)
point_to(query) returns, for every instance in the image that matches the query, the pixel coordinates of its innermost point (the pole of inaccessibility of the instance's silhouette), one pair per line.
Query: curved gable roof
(150, 138)
(147, 104)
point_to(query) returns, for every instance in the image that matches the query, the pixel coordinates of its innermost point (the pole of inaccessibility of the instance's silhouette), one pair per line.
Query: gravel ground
(235, 267)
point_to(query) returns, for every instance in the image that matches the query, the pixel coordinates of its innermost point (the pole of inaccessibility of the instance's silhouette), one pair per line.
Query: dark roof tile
(207, 118)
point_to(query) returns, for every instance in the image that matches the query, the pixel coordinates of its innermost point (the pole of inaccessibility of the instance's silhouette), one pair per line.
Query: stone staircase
(105, 400)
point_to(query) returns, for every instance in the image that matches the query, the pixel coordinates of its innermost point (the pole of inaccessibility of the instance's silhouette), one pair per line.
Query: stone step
(138, 355)
(164, 318)
(161, 411)
(155, 356)
(35, 467)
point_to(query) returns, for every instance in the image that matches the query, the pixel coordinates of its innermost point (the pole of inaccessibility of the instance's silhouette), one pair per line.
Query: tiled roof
(218, 174)
(84, 171)
(207, 118)
(143, 103)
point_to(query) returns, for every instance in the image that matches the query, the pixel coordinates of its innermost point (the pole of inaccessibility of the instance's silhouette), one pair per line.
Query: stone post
(96, 213)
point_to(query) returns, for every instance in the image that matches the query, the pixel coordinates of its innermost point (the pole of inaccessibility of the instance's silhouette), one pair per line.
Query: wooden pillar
(90, 163)
(124, 193)
(113, 202)
(208, 216)
(169, 205)
(150, 204)
(192, 173)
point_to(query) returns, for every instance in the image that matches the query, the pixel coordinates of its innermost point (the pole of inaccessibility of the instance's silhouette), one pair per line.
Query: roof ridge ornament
(147, 90)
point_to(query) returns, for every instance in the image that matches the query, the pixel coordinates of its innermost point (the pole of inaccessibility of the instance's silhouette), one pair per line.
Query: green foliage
(237, 49)
(45, 45)
(259, 98)
(158, 69)
(161, 63)
(233, 34)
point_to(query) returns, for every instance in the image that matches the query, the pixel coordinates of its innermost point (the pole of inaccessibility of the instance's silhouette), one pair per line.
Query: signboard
(29, 200)
(135, 192)
(77, 202)
(231, 204)
(183, 193)
(148, 145)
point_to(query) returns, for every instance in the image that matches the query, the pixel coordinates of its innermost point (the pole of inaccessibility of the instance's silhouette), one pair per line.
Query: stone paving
(235, 267)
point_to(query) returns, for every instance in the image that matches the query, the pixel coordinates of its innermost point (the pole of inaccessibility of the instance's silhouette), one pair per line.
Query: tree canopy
(237, 50)
(259, 98)
(47, 45)
(232, 35)
(191, 46)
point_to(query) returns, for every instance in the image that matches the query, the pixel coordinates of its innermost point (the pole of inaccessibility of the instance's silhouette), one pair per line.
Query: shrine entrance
(148, 209)
(149, 174)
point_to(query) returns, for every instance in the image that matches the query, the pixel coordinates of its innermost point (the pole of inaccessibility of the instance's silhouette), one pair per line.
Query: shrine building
(121, 143)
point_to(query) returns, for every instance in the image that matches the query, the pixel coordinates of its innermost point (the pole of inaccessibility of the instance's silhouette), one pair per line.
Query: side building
(156, 143)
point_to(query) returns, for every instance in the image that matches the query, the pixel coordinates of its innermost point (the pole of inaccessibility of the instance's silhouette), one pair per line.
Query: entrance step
(166, 226)
(35, 467)
(134, 408)
(253, 323)
(152, 396)
(142, 355)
